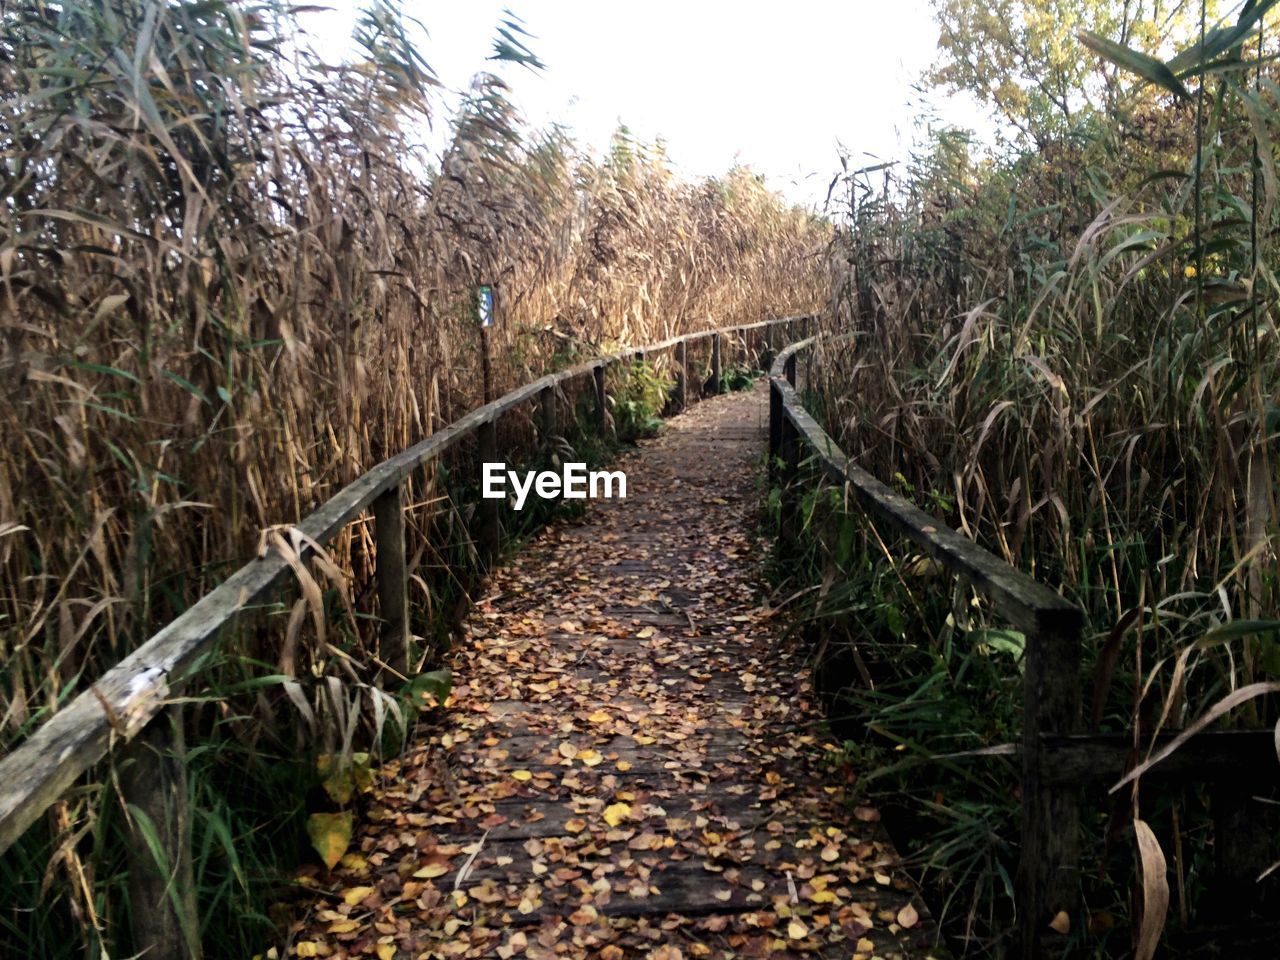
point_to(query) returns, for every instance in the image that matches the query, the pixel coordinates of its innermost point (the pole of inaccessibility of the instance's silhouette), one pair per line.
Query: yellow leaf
(306, 948)
(796, 929)
(355, 894)
(432, 870)
(521, 775)
(575, 825)
(624, 766)
(907, 917)
(598, 717)
(1061, 923)
(590, 757)
(343, 926)
(646, 633)
(330, 834)
(568, 751)
(615, 813)
(386, 951)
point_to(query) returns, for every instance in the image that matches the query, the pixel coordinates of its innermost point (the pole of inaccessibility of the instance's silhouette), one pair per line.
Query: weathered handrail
(1047, 881)
(125, 699)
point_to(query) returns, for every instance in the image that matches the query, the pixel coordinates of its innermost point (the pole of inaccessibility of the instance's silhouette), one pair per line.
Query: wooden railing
(127, 704)
(1057, 758)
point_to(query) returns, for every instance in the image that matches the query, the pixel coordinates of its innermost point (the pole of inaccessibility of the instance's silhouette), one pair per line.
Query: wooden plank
(1214, 755)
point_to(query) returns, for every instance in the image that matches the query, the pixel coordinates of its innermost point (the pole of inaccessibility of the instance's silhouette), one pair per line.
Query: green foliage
(1023, 59)
(639, 394)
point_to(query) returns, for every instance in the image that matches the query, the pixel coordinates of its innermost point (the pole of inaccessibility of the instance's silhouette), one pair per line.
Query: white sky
(774, 86)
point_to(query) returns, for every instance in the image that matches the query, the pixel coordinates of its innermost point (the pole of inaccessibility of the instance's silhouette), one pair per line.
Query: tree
(1023, 57)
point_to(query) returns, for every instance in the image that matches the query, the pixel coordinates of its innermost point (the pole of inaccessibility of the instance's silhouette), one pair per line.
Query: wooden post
(715, 363)
(602, 414)
(682, 376)
(393, 580)
(1245, 826)
(1048, 875)
(490, 539)
(162, 892)
(789, 450)
(775, 428)
(790, 369)
(547, 411)
(485, 367)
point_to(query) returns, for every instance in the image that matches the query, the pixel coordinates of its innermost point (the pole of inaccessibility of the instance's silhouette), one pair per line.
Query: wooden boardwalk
(631, 765)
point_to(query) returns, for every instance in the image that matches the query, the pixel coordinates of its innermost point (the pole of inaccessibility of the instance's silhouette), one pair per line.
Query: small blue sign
(484, 305)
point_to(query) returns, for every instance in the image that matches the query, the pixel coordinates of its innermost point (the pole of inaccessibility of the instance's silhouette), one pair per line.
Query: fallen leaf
(908, 917)
(615, 813)
(330, 834)
(354, 895)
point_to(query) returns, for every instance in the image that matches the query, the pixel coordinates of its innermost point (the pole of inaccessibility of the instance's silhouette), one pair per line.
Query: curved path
(631, 764)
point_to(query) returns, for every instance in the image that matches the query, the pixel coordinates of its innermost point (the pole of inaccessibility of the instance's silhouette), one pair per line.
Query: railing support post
(490, 539)
(790, 369)
(682, 376)
(393, 580)
(789, 451)
(547, 413)
(1048, 875)
(602, 413)
(162, 893)
(715, 363)
(775, 428)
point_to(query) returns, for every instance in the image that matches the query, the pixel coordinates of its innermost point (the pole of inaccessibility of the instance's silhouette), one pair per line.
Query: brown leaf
(1155, 891)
